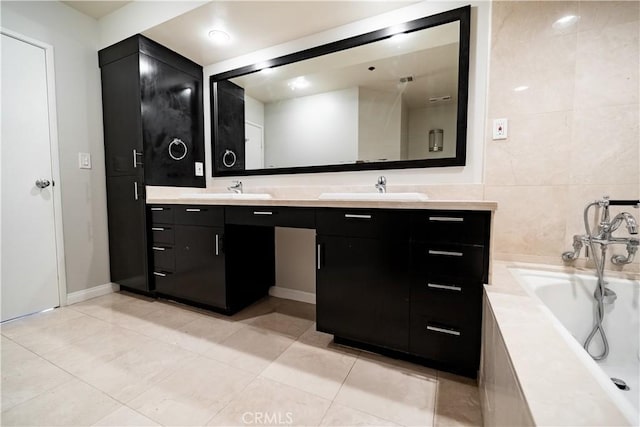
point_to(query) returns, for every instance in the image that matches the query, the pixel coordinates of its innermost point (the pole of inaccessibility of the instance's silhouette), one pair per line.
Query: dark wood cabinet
(199, 260)
(153, 135)
(152, 113)
(406, 281)
(362, 287)
(127, 232)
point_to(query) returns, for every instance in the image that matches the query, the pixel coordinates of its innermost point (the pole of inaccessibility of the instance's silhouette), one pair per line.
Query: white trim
(96, 291)
(55, 159)
(292, 294)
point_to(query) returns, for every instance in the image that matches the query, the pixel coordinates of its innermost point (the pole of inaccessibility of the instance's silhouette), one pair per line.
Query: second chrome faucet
(236, 187)
(382, 184)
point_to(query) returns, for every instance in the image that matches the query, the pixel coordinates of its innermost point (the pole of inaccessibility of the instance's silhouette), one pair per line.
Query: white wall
(422, 120)
(74, 37)
(379, 125)
(253, 110)
(312, 130)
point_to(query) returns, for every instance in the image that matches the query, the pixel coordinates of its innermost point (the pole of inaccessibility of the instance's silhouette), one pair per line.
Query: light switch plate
(84, 160)
(199, 169)
(500, 129)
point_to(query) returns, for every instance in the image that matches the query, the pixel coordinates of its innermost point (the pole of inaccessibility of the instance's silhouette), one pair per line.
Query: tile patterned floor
(123, 360)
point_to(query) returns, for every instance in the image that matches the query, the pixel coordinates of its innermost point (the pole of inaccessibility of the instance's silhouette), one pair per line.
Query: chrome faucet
(236, 187)
(604, 235)
(382, 184)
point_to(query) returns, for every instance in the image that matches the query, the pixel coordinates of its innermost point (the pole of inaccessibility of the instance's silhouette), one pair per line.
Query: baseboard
(96, 291)
(292, 294)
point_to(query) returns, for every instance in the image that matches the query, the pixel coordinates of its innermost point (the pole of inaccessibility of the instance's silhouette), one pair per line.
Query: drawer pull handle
(193, 210)
(357, 216)
(262, 213)
(157, 273)
(446, 219)
(447, 287)
(443, 330)
(157, 229)
(158, 248)
(446, 253)
(157, 209)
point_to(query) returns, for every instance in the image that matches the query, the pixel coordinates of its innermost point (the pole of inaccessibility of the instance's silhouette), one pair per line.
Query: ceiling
(252, 25)
(96, 9)
(255, 25)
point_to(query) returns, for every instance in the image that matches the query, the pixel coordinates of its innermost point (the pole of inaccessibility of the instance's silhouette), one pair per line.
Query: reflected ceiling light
(565, 22)
(400, 37)
(299, 83)
(219, 37)
(520, 88)
(267, 70)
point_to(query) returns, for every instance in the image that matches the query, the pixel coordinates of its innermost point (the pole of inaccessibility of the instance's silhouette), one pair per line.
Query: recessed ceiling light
(520, 88)
(219, 37)
(299, 83)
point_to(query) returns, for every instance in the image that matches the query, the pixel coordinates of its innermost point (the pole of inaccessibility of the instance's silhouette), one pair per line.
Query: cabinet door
(121, 117)
(127, 232)
(362, 292)
(200, 266)
(172, 124)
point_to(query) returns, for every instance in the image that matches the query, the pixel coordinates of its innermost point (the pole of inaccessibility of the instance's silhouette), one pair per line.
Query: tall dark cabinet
(153, 135)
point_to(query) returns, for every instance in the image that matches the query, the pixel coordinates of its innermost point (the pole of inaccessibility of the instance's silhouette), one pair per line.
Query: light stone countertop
(314, 202)
(556, 383)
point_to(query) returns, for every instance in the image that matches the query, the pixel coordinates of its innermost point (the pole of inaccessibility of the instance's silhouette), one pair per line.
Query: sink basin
(227, 196)
(398, 197)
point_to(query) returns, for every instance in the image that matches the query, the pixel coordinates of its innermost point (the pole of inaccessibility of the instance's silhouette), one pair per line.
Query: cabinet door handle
(158, 248)
(446, 253)
(357, 216)
(318, 259)
(262, 213)
(157, 209)
(446, 219)
(157, 273)
(135, 190)
(157, 229)
(217, 244)
(443, 330)
(135, 158)
(193, 210)
(447, 287)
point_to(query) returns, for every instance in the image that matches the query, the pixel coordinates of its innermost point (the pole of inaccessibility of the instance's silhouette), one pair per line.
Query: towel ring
(177, 142)
(225, 158)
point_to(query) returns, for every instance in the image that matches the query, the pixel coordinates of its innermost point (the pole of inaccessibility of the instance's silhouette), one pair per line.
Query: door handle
(357, 216)
(318, 258)
(445, 253)
(443, 330)
(42, 183)
(446, 287)
(217, 244)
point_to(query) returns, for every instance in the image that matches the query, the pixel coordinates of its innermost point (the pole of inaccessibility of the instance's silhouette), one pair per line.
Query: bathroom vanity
(404, 278)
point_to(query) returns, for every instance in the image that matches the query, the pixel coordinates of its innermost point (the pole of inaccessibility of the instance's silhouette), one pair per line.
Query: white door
(29, 267)
(254, 152)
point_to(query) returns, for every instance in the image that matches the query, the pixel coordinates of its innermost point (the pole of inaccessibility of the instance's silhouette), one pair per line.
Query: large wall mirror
(390, 99)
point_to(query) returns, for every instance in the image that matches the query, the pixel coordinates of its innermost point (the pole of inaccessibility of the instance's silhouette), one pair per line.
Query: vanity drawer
(446, 343)
(271, 216)
(451, 226)
(163, 257)
(212, 216)
(433, 260)
(161, 214)
(362, 223)
(161, 233)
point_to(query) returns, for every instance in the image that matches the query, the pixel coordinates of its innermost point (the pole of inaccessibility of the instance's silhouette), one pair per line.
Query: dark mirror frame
(462, 14)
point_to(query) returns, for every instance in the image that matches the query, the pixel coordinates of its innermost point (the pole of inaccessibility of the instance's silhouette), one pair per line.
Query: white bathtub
(569, 300)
